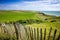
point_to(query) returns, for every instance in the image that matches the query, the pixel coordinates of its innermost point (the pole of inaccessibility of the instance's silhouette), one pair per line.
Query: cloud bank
(44, 5)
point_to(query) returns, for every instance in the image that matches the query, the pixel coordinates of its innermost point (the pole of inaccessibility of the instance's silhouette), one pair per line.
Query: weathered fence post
(37, 33)
(45, 34)
(30, 34)
(49, 33)
(41, 34)
(16, 30)
(54, 34)
(26, 32)
(34, 34)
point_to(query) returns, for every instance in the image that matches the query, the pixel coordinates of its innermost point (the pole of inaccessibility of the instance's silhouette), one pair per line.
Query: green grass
(47, 25)
(6, 16)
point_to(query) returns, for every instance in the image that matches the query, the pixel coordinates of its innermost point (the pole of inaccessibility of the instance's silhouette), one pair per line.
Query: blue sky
(37, 5)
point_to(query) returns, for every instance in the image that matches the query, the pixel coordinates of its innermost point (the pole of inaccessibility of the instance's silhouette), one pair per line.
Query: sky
(37, 5)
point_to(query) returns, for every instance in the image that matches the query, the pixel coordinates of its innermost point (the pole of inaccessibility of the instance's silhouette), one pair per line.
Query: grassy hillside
(48, 21)
(6, 16)
(37, 19)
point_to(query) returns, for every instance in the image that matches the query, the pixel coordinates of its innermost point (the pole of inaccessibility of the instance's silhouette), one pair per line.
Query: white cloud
(34, 5)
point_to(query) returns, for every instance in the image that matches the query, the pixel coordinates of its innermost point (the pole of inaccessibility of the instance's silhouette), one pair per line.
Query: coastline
(53, 13)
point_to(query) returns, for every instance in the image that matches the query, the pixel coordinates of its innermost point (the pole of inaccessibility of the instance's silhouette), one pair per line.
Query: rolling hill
(34, 19)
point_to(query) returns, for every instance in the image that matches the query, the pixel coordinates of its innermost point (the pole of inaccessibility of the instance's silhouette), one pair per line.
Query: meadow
(32, 19)
(7, 16)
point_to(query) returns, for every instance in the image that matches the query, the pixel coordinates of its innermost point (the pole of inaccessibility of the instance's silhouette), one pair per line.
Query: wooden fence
(29, 33)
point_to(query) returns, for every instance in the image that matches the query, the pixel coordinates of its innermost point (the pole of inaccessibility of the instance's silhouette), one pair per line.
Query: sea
(55, 13)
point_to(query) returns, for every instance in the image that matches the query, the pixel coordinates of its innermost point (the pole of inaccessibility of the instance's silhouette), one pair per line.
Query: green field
(33, 19)
(7, 16)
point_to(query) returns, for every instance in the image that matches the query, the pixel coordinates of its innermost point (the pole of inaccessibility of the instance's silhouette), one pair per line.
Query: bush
(29, 21)
(53, 20)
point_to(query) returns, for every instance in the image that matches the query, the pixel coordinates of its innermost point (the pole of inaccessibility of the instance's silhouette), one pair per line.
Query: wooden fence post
(26, 32)
(37, 33)
(16, 30)
(49, 33)
(34, 34)
(45, 34)
(30, 33)
(54, 34)
(41, 34)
